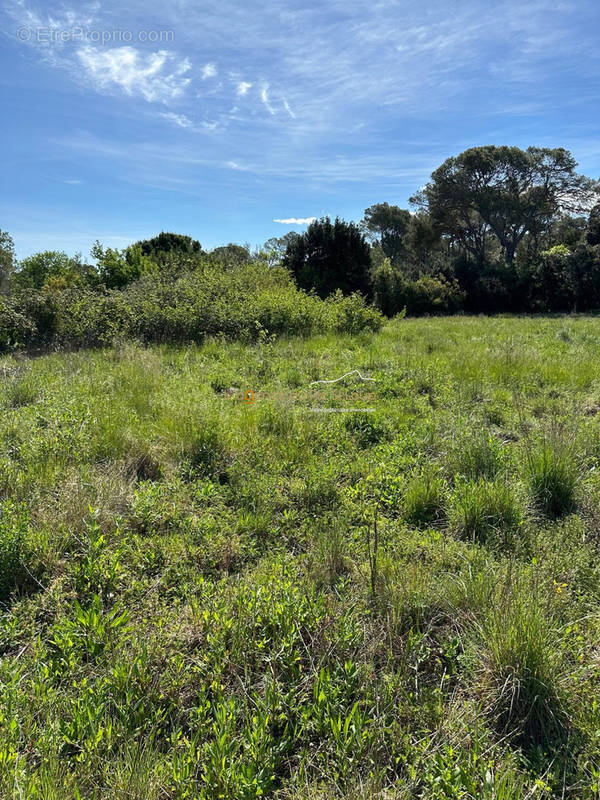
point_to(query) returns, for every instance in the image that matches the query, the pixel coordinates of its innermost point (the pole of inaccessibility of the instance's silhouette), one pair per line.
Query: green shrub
(180, 307)
(41, 310)
(16, 328)
(393, 292)
(352, 314)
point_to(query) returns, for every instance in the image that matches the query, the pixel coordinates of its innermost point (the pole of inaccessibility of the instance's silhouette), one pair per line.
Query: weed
(366, 428)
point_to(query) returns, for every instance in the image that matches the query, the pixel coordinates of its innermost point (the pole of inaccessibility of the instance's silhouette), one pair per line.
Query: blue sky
(217, 118)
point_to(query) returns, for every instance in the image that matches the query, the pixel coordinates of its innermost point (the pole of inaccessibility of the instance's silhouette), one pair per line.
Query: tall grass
(553, 474)
(522, 662)
(14, 545)
(488, 512)
(424, 499)
(226, 623)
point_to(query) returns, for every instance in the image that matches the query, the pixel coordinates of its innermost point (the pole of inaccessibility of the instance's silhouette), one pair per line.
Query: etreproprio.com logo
(48, 35)
(315, 395)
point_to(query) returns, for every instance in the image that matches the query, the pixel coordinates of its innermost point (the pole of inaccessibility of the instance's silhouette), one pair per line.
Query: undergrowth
(214, 585)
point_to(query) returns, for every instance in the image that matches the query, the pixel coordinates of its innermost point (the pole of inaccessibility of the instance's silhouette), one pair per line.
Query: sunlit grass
(194, 603)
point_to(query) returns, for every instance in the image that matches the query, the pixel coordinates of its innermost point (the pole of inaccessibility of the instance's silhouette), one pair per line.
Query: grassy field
(213, 588)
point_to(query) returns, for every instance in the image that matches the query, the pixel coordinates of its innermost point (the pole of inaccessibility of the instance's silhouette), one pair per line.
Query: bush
(16, 329)
(187, 307)
(393, 292)
(352, 314)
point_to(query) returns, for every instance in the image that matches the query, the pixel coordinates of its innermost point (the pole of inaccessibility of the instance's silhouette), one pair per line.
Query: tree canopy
(231, 255)
(502, 194)
(7, 259)
(593, 228)
(51, 267)
(387, 226)
(275, 247)
(330, 256)
(166, 243)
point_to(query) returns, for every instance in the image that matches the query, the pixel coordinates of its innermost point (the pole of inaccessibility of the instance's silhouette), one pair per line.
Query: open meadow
(215, 586)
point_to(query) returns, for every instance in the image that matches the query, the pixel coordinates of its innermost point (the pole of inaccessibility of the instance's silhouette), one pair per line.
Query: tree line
(495, 229)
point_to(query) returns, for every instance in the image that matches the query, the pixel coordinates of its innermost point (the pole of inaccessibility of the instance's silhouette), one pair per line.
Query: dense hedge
(162, 308)
(560, 279)
(393, 292)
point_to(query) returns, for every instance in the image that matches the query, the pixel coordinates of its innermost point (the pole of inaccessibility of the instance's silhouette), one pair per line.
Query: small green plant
(366, 428)
(373, 553)
(97, 568)
(331, 551)
(22, 392)
(319, 490)
(488, 512)
(89, 631)
(205, 453)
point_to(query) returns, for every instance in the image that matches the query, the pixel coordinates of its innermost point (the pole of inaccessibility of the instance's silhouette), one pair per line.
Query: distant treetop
(169, 243)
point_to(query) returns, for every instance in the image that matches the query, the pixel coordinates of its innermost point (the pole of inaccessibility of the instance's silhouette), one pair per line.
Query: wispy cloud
(156, 76)
(264, 96)
(243, 88)
(180, 120)
(296, 220)
(286, 105)
(208, 71)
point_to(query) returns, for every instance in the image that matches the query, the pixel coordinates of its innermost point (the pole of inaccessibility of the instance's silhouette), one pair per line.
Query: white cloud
(286, 105)
(178, 119)
(240, 167)
(208, 71)
(296, 220)
(243, 88)
(264, 96)
(155, 76)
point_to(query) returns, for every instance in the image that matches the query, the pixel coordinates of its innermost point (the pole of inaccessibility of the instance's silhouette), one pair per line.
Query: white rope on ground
(335, 380)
